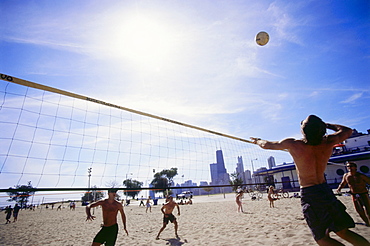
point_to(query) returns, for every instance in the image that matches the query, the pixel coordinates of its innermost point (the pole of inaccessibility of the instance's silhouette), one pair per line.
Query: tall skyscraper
(240, 169)
(220, 162)
(271, 162)
(214, 173)
(218, 170)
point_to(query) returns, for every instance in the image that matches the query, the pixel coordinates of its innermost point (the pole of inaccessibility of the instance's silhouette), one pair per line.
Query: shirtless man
(110, 208)
(357, 184)
(321, 209)
(167, 210)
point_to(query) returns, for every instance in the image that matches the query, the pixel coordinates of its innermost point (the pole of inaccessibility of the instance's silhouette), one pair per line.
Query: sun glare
(145, 41)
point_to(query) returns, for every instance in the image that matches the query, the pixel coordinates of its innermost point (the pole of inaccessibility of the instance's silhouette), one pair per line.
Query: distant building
(271, 162)
(248, 176)
(151, 192)
(202, 191)
(219, 176)
(240, 170)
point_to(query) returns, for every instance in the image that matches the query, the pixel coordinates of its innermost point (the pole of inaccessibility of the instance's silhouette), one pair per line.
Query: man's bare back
(311, 155)
(310, 160)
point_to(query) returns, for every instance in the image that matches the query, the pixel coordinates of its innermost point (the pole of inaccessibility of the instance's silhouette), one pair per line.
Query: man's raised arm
(341, 133)
(274, 145)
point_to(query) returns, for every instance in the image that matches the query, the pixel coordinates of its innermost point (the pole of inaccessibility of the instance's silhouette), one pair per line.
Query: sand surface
(210, 220)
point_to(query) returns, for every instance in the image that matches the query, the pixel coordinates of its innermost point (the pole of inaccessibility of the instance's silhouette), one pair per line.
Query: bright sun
(144, 40)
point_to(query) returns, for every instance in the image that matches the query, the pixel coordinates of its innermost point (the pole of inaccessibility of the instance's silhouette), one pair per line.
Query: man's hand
(254, 140)
(125, 231)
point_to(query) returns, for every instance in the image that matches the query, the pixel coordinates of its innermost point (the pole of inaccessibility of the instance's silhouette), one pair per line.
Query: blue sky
(197, 61)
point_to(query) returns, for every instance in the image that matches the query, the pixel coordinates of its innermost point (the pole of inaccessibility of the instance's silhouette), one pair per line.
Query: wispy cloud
(352, 98)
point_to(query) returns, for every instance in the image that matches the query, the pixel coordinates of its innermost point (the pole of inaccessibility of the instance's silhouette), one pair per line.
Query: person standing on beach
(148, 205)
(15, 212)
(238, 200)
(141, 201)
(357, 184)
(110, 208)
(322, 210)
(167, 210)
(270, 197)
(8, 211)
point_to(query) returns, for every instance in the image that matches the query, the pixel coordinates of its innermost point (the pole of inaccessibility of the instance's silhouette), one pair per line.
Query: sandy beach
(211, 220)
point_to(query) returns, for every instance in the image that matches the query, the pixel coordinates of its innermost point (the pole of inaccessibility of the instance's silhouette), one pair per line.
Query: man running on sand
(321, 209)
(167, 210)
(357, 184)
(110, 208)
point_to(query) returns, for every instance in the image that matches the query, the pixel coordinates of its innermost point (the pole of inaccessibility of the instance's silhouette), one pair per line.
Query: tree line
(161, 183)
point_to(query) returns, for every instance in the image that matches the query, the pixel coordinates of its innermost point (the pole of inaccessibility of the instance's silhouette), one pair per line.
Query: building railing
(343, 150)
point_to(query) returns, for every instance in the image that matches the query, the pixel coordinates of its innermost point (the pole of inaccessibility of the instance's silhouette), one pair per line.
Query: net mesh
(52, 139)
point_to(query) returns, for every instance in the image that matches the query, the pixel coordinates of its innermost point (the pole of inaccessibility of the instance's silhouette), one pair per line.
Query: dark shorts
(360, 198)
(107, 235)
(169, 217)
(323, 211)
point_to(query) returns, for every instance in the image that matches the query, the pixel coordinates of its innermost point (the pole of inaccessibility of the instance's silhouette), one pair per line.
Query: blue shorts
(107, 235)
(323, 211)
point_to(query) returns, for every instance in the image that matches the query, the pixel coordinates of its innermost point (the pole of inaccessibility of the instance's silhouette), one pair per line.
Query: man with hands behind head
(321, 209)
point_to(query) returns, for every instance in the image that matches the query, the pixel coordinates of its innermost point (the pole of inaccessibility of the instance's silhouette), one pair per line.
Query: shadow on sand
(174, 242)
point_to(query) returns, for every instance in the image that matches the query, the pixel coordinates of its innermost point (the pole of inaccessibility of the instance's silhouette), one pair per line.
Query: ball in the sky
(262, 38)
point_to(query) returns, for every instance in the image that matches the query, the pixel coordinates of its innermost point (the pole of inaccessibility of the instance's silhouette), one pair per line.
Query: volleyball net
(60, 140)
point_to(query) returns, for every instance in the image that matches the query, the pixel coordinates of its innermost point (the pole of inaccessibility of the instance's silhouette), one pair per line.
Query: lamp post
(253, 168)
(126, 184)
(89, 172)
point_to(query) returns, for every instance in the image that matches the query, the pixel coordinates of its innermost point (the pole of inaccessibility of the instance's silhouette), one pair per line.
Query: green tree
(235, 181)
(208, 189)
(163, 180)
(92, 195)
(21, 193)
(134, 186)
(169, 174)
